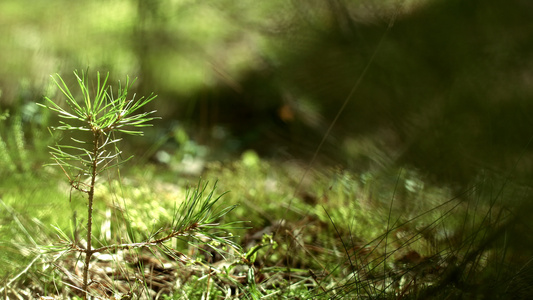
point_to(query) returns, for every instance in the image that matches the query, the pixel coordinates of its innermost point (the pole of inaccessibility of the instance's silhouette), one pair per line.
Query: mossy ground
(330, 234)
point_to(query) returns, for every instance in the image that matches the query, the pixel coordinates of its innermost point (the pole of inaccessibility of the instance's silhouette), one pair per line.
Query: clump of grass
(457, 245)
(382, 234)
(21, 146)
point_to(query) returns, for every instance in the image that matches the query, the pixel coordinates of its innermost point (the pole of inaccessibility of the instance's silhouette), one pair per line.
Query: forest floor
(303, 234)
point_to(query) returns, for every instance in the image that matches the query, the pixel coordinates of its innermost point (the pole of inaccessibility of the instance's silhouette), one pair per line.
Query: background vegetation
(367, 137)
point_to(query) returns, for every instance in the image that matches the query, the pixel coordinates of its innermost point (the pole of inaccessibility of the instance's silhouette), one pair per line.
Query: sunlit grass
(30, 204)
(342, 234)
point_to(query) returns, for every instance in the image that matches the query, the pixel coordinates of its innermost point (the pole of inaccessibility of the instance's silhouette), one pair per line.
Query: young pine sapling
(101, 116)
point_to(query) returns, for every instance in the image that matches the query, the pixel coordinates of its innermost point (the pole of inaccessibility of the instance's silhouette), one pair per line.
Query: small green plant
(15, 155)
(100, 116)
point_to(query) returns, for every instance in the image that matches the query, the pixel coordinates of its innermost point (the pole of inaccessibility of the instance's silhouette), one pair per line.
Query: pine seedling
(100, 115)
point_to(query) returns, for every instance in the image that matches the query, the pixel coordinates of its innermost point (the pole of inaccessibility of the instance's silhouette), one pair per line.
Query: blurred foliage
(447, 89)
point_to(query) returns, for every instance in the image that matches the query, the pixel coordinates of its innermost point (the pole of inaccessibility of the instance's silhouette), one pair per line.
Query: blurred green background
(448, 89)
